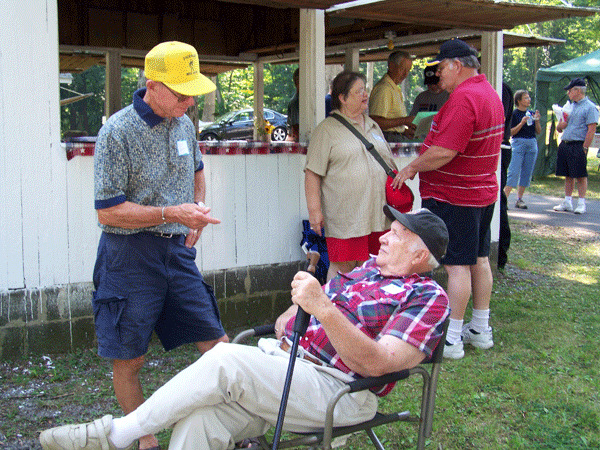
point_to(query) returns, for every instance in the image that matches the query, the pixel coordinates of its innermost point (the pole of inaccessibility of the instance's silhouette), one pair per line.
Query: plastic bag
(567, 109)
(562, 114)
(558, 112)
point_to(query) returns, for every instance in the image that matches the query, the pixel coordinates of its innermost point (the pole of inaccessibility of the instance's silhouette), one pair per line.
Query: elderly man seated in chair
(382, 317)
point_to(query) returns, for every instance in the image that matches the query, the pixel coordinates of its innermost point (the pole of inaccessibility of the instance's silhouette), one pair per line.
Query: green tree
(236, 88)
(581, 34)
(279, 86)
(129, 84)
(84, 117)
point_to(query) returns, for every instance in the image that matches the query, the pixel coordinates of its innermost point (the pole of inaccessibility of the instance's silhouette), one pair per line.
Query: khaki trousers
(233, 392)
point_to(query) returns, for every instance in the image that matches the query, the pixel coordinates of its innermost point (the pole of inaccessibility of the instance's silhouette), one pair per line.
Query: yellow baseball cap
(176, 65)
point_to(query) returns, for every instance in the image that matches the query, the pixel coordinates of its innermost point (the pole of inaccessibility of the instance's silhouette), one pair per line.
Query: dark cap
(454, 48)
(429, 76)
(575, 82)
(429, 227)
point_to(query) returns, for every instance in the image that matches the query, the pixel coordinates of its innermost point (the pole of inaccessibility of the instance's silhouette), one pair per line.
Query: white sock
(569, 200)
(581, 201)
(454, 331)
(480, 321)
(125, 430)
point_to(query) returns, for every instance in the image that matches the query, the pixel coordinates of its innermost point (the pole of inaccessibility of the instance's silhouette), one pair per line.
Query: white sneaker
(580, 208)
(87, 436)
(564, 206)
(482, 340)
(454, 351)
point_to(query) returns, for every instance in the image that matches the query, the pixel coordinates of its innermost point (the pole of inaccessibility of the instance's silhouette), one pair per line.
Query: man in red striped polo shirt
(457, 171)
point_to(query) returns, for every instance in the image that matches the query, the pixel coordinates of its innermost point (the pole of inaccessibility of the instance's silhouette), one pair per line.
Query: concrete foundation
(60, 319)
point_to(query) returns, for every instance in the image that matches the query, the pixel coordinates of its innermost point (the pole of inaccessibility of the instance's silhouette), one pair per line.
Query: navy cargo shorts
(145, 283)
(469, 230)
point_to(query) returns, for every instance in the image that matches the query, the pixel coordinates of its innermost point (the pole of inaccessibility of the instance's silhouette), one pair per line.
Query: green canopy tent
(549, 90)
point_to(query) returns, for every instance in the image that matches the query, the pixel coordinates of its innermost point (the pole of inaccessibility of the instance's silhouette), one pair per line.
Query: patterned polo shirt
(411, 308)
(145, 159)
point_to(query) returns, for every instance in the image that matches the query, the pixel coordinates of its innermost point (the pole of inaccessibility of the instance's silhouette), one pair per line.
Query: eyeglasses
(359, 92)
(180, 97)
(440, 67)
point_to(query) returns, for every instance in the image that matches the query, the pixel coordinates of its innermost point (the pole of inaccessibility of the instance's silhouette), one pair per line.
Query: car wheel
(210, 137)
(279, 134)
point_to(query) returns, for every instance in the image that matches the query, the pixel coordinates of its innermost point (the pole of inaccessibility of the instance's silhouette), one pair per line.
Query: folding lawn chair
(429, 370)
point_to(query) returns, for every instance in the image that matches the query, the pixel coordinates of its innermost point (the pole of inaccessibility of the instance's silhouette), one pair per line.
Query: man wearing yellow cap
(149, 196)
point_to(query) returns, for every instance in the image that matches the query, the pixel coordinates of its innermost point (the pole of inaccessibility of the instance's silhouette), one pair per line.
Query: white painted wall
(260, 201)
(33, 189)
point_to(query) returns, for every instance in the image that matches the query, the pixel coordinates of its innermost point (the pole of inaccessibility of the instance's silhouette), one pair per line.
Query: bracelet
(162, 213)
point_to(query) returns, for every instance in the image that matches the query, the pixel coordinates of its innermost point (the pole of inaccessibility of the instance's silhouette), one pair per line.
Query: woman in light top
(344, 183)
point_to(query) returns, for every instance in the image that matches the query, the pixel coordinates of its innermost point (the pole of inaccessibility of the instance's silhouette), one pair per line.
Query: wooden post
(312, 70)
(113, 83)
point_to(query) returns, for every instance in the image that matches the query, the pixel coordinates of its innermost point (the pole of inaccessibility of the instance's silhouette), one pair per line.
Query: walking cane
(300, 326)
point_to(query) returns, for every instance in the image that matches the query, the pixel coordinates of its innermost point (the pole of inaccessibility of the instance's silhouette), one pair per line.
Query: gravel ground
(41, 392)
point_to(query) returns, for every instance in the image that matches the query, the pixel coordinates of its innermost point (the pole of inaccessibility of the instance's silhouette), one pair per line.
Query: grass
(537, 388)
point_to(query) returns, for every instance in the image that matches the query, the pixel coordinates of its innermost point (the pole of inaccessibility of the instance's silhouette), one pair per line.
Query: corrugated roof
(230, 34)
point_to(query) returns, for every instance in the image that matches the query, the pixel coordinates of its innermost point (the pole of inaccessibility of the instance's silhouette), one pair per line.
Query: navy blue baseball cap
(575, 82)
(454, 48)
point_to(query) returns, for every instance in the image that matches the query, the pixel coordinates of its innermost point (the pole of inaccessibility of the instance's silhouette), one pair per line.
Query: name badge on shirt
(392, 289)
(182, 148)
(377, 137)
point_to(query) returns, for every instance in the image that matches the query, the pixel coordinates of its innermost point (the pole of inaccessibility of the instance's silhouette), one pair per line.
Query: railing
(85, 147)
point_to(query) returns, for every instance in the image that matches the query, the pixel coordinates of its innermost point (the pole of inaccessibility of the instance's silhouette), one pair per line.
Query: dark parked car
(239, 125)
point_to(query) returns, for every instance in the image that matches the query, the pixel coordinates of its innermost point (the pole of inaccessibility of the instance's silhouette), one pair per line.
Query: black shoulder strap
(370, 147)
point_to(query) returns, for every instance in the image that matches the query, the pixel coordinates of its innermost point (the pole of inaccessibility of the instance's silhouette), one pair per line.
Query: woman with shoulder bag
(344, 183)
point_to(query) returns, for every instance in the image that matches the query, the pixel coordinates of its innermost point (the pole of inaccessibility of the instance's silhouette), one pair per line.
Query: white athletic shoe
(482, 340)
(580, 208)
(564, 206)
(454, 351)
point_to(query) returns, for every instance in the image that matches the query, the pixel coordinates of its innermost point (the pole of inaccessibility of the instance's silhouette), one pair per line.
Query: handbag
(401, 199)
